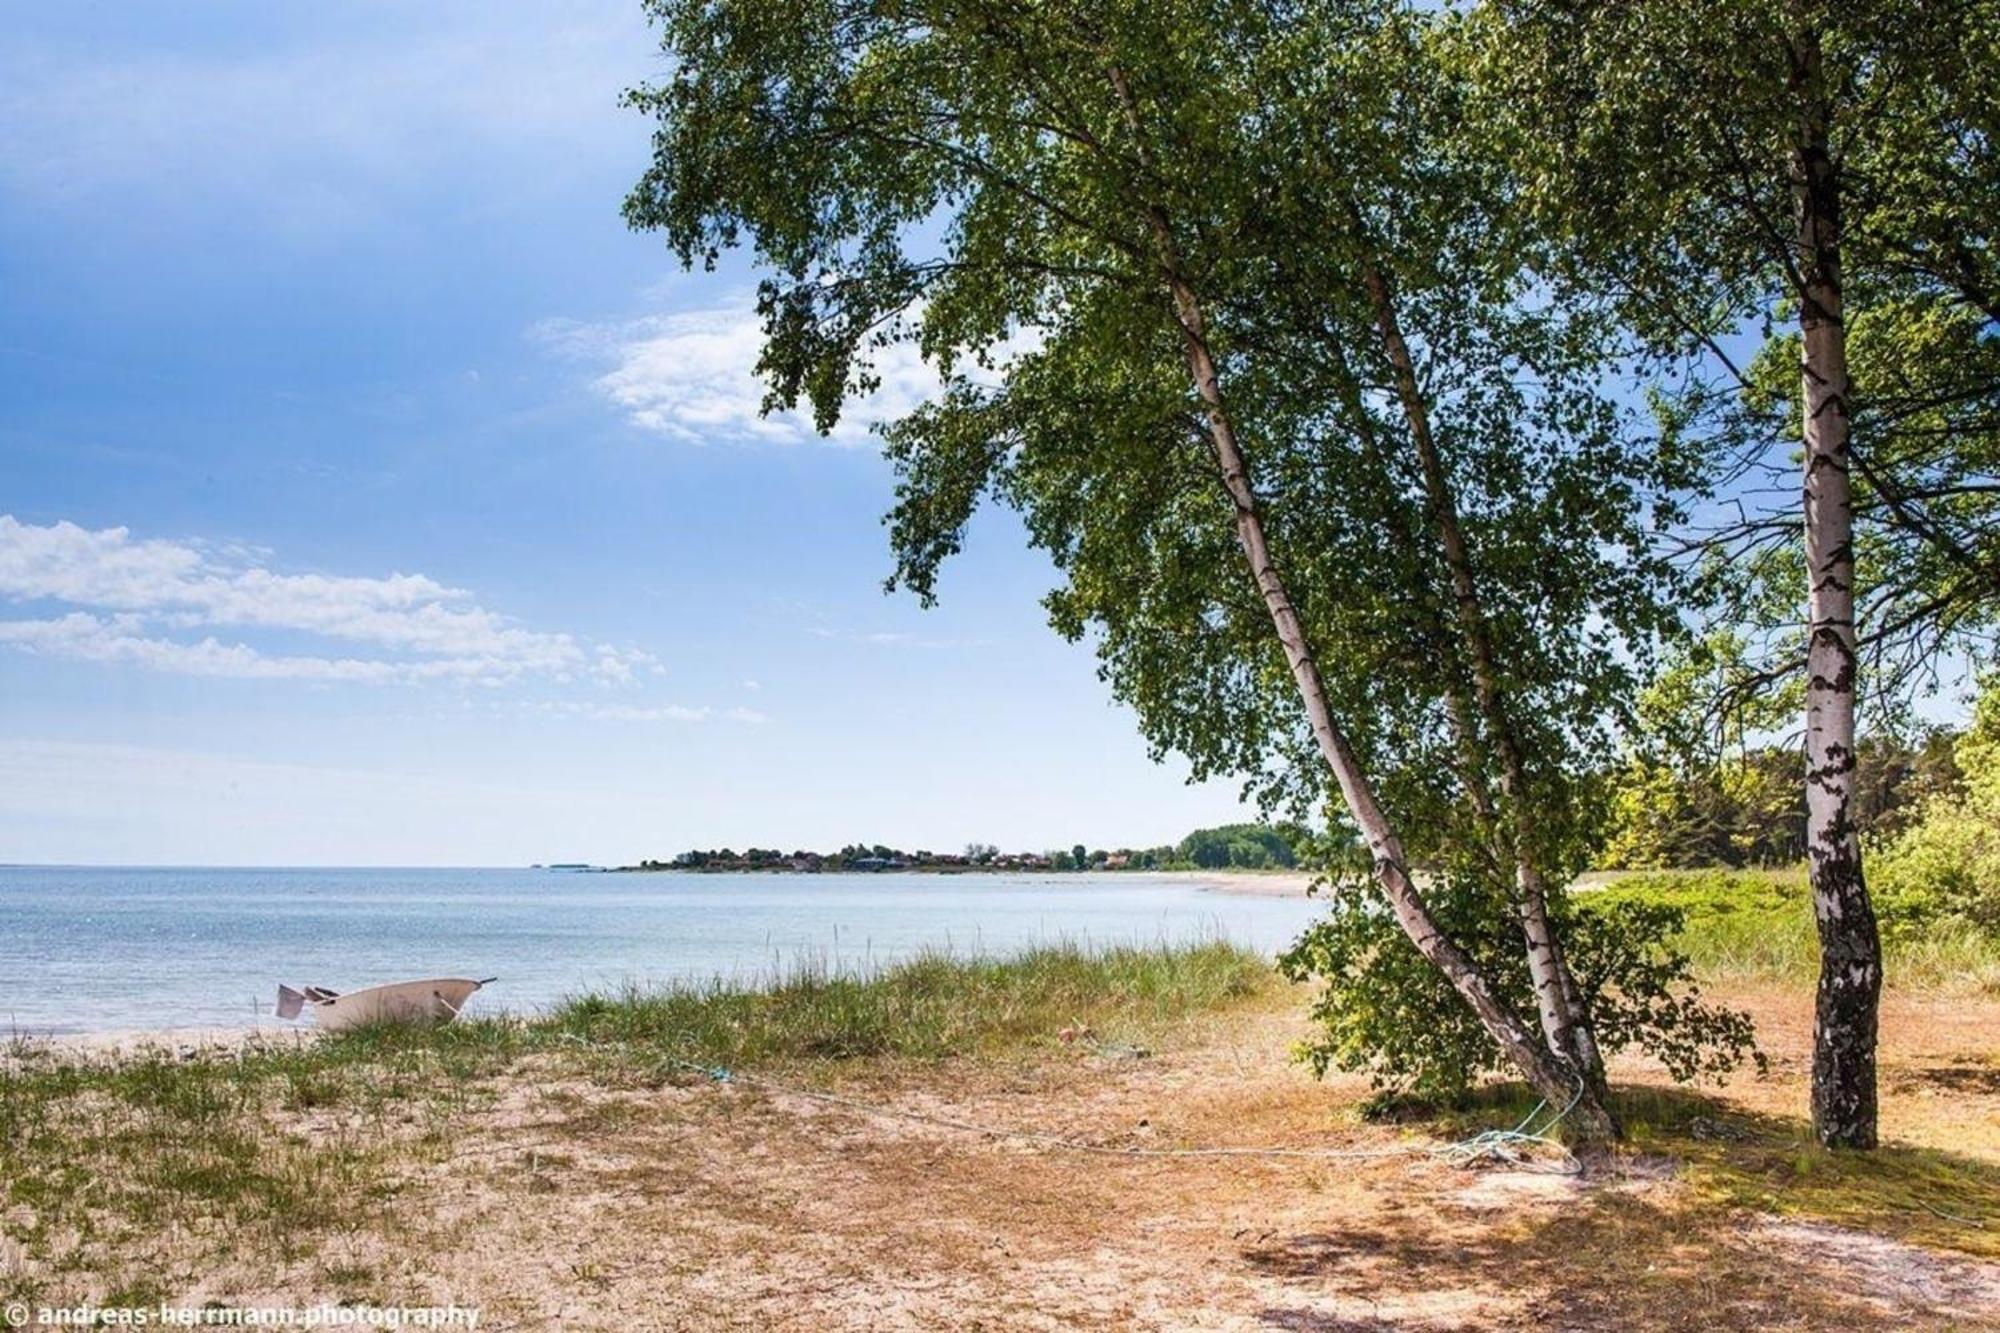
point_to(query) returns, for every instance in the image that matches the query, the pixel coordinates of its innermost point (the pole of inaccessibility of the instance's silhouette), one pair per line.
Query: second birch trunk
(1850, 977)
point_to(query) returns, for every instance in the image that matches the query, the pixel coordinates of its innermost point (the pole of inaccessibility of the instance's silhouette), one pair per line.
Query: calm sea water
(100, 949)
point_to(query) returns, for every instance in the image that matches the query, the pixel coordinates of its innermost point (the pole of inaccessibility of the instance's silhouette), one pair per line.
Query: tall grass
(1758, 925)
(929, 1008)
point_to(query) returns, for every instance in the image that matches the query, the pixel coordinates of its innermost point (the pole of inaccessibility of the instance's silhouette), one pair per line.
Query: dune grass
(272, 1145)
(932, 1008)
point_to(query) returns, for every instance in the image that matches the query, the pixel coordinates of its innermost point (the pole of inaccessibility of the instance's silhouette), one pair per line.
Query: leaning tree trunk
(1558, 999)
(1547, 1072)
(1471, 758)
(1850, 976)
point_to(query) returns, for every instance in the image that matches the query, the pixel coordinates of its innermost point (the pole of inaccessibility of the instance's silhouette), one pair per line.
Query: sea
(100, 949)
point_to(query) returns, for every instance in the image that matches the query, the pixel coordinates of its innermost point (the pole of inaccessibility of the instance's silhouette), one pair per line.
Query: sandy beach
(550, 1199)
(1256, 883)
(186, 1043)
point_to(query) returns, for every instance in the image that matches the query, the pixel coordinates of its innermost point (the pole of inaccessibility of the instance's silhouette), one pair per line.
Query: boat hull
(414, 1003)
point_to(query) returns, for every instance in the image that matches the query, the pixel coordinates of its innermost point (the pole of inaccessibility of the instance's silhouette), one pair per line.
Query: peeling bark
(1850, 978)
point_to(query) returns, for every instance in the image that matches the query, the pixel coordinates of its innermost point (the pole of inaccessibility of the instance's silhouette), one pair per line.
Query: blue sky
(374, 497)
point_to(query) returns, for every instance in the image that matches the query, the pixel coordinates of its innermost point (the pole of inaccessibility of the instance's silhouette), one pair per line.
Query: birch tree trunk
(1550, 1076)
(1548, 1073)
(1471, 758)
(1557, 997)
(1850, 977)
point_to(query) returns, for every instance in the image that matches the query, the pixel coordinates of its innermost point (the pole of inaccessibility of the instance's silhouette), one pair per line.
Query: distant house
(1117, 861)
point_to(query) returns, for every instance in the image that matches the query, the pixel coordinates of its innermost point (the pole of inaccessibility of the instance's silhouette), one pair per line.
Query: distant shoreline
(1254, 883)
(1287, 883)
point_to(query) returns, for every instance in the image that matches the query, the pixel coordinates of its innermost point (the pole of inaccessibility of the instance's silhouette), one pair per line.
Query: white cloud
(692, 376)
(90, 638)
(138, 592)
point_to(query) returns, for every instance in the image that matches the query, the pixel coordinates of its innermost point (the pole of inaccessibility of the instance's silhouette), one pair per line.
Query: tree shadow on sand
(1757, 1228)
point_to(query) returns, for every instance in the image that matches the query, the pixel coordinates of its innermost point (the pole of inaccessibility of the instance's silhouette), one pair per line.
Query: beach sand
(184, 1042)
(565, 1202)
(750, 1207)
(1256, 883)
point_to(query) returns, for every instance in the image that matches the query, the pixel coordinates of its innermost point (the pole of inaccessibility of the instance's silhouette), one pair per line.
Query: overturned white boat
(418, 1003)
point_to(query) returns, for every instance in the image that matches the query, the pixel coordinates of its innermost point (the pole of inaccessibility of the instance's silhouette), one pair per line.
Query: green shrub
(1749, 811)
(1945, 867)
(1384, 1010)
(1733, 922)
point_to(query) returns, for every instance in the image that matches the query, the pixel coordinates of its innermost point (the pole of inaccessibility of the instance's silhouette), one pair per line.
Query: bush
(1733, 922)
(1946, 865)
(1749, 809)
(1750, 812)
(1386, 1011)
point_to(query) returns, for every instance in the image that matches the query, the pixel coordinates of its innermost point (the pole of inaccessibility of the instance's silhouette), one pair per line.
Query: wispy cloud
(140, 601)
(344, 109)
(692, 376)
(117, 639)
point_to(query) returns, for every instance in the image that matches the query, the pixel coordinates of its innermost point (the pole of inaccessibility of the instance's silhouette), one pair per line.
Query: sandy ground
(1255, 883)
(186, 1042)
(569, 1205)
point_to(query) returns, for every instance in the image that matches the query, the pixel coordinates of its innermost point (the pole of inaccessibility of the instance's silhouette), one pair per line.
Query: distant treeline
(1749, 809)
(1231, 846)
(1928, 812)
(1746, 810)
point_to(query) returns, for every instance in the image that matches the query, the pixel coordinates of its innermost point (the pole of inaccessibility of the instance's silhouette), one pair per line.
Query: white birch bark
(1850, 980)
(1557, 997)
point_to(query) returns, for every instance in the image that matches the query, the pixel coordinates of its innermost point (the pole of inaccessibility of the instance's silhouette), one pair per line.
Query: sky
(372, 496)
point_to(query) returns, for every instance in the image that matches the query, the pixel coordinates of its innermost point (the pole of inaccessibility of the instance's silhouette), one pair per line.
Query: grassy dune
(272, 1145)
(550, 1163)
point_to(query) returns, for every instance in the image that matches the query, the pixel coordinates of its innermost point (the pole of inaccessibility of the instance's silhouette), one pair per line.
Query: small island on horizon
(1227, 847)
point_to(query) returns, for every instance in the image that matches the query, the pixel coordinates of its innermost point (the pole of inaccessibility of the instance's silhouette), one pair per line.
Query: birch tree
(1397, 177)
(1724, 166)
(1097, 222)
